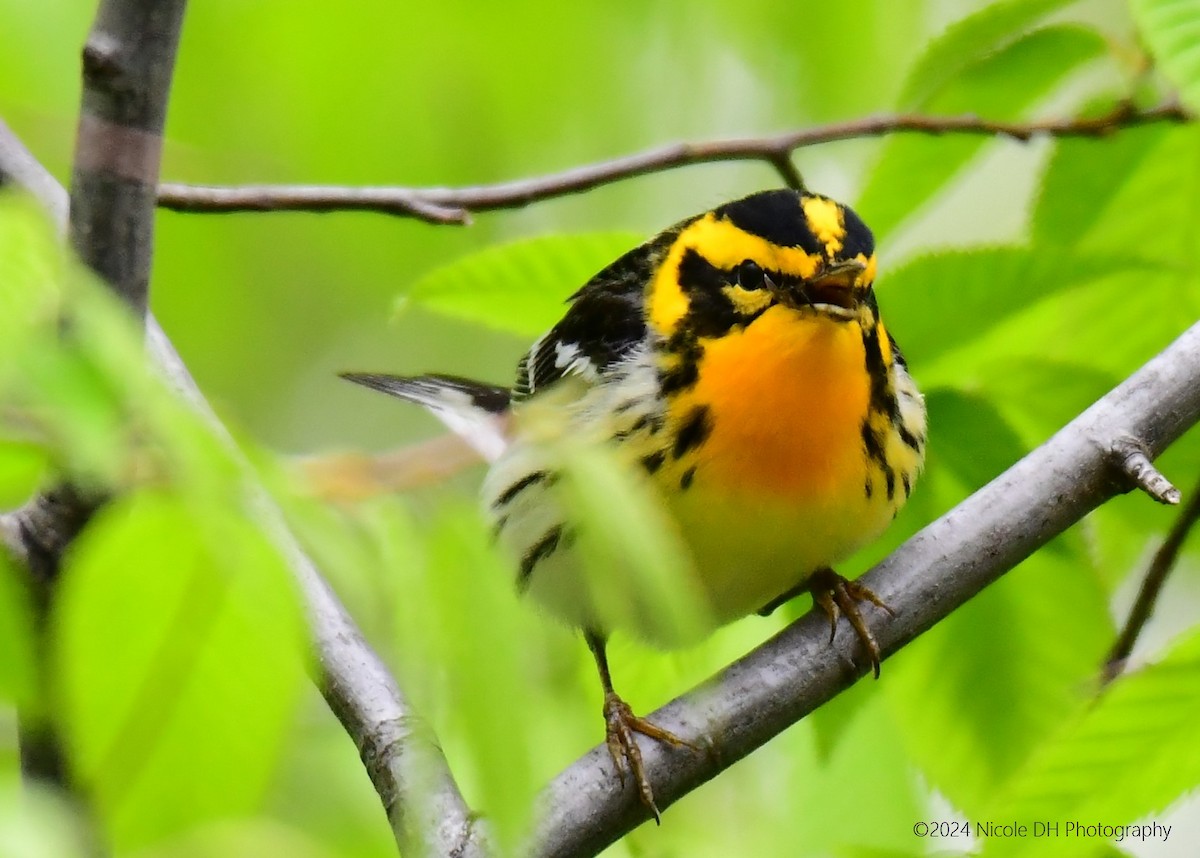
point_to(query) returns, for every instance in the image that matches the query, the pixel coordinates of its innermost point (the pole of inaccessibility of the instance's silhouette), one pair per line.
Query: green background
(1022, 279)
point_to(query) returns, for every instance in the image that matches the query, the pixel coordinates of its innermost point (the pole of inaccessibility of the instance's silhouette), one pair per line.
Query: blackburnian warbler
(739, 361)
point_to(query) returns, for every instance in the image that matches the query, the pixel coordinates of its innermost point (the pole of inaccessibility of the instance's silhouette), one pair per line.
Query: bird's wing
(604, 324)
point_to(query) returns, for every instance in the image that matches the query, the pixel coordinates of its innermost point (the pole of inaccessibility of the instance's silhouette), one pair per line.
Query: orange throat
(788, 396)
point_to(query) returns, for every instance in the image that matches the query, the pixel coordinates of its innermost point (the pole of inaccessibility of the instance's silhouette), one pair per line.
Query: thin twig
(1152, 585)
(402, 202)
(356, 476)
(400, 758)
(454, 205)
(18, 167)
(587, 807)
(1135, 464)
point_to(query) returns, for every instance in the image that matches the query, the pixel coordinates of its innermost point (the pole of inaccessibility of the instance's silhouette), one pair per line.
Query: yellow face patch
(725, 246)
(747, 302)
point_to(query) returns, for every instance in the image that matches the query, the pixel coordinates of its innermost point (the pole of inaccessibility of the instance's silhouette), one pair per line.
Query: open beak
(833, 290)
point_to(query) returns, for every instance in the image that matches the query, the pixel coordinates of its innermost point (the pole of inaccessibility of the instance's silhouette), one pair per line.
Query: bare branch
(1152, 585)
(754, 699)
(128, 61)
(453, 205)
(403, 202)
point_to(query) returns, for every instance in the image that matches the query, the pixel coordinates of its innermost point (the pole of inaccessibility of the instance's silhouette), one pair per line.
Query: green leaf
(1000, 86)
(178, 645)
(977, 695)
(259, 838)
(489, 646)
(22, 465)
(17, 669)
(1040, 395)
(977, 444)
(79, 411)
(518, 287)
(1129, 754)
(831, 722)
(31, 272)
(1083, 177)
(641, 580)
(1149, 211)
(875, 852)
(1172, 30)
(943, 303)
(965, 41)
(473, 657)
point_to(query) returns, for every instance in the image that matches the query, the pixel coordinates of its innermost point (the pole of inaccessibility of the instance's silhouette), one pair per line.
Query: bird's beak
(835, 289)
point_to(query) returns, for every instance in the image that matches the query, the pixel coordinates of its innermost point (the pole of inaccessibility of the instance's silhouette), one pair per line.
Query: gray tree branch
(754, 699)
(128, 61)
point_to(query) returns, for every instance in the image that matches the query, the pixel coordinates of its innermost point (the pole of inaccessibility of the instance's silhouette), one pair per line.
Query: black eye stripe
(696, 272)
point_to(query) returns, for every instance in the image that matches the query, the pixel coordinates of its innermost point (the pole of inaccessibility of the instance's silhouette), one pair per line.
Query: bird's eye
(750, 276)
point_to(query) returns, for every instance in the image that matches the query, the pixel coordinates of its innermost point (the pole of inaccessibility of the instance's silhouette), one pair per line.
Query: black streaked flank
(538, 552)
(692, 432)
(909, 438)
(519, 486)
(906, 483)
(682, 374)
(653, 461)
(685, 481)
(652, 422)
(775, 216)
(873, 445)
(679, 377)
(883, 397)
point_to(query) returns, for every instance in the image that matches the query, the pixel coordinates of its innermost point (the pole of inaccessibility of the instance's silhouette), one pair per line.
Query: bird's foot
(837, 595)
(620, 725)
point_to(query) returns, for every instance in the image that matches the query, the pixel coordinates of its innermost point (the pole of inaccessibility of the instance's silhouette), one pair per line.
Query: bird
(737, 364)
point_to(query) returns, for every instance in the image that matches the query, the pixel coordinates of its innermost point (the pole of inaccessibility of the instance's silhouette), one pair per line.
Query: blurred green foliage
(1022, 280)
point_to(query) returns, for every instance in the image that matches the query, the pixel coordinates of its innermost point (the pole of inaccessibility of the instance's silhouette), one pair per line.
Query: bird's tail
(476, 412)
